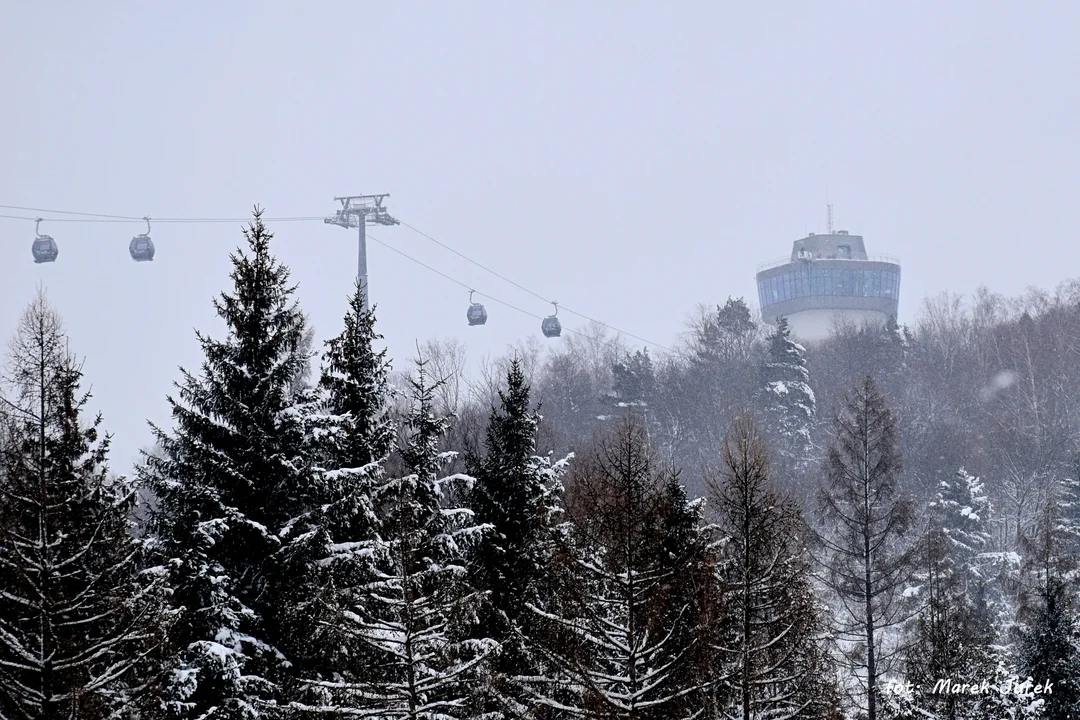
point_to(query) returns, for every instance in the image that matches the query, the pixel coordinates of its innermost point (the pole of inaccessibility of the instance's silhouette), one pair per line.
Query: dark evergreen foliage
(952, 639)
(513, 494)
(1050, 650)
(298, 572)
(411, 614)
(635, 379)
(350, 437)
(788, 402)
(230, 477)
(355, 386)
(1049, 636)
(726, 336)
(78, 620)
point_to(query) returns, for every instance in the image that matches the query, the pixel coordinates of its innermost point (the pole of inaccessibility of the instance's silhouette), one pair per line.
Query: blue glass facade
(817, 281)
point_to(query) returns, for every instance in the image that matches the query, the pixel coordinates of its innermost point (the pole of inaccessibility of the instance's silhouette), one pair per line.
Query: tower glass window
(828, 282)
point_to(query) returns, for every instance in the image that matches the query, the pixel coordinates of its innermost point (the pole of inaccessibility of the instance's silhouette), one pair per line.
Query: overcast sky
(627, 159)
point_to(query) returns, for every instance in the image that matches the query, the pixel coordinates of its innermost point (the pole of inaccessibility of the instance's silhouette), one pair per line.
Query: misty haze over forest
(539, 427)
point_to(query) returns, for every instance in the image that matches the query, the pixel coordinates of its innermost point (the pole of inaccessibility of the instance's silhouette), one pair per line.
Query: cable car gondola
(44, 248)
(551, 327)
(477, 314)
(142, 247)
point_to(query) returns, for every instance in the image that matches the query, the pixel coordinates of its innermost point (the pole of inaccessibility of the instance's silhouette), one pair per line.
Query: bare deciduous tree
(864, 519)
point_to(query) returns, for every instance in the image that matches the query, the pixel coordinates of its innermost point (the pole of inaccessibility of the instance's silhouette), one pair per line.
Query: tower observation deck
(829, 278)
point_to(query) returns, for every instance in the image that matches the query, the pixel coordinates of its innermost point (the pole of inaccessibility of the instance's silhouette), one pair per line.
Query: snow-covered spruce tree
(625, 664)
(961, 509)
(890, 355)
(515, 493)
(769, 657)
(1049, 651)
(1049, 639)
(691, 601)
(1067, 495)
(230, 476)
(950, 640)
(355, 390)
(350, 436)
(788, 401)
(412, 613)
(864, 519)
(78, 620)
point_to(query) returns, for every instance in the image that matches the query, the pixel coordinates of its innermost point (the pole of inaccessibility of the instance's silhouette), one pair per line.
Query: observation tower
(828, 279)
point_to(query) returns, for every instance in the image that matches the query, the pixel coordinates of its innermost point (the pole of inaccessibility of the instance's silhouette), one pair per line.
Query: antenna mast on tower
(829, 216)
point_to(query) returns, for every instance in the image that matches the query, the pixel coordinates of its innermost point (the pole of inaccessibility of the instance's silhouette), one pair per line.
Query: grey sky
(626, 159)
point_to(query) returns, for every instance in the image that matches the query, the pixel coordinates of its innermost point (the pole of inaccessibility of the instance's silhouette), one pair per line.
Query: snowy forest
(882, 525)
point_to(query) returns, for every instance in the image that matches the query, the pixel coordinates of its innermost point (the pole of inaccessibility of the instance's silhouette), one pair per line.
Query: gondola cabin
(477, 314)
(45, 249)
(551, 327)
(141, 248)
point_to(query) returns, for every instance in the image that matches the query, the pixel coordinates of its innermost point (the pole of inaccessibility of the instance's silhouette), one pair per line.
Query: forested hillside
(743, 528)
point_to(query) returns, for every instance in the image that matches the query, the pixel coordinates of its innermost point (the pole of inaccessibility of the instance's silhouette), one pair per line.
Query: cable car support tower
(359, 211)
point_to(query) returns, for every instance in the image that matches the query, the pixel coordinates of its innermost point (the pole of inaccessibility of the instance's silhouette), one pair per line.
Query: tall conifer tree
(229, 478)
(515, 493)
(411, 612)
(770, 656)
(77, 618)
(788, 400)
(1049, 647)
(949, 640)
(350, 437)
(865, 518)
(608, 641)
